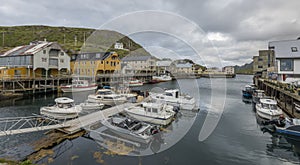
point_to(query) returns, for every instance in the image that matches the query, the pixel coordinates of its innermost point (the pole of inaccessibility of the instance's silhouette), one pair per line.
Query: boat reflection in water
(284, 147)
(247, 100)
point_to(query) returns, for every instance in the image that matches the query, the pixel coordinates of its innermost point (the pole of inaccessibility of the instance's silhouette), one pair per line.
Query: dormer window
(294, 49)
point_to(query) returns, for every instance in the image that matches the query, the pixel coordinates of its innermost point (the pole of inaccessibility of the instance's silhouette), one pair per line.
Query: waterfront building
(287, 57)
(181, 67)
(228, 70)
(139, 64)
(262, 62)
(95, 64)
(38, 59)
(163, 66)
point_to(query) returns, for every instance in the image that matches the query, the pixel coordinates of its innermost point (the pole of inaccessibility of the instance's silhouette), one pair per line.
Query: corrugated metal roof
(136, 58)
(27, 49)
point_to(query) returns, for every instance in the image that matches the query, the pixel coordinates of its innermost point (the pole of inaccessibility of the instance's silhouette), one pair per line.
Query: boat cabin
(174, 93)
(268, 104)
(64, 102)
(104, 92)
(259, 93)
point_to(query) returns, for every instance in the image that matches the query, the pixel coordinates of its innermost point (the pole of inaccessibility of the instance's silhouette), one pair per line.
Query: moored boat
(64, 108)
(135, 82)
(156, 113)
(131, 129)
(107, 97)
(162, 78)
(248, 91)
(79, 86)
(257, 95)
(268, 109)
(173, 97)
(91, 106)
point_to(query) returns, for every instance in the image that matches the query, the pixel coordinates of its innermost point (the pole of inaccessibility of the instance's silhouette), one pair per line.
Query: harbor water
(237, 138)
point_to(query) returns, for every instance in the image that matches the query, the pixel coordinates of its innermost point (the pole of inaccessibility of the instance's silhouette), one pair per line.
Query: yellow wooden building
(93, 64)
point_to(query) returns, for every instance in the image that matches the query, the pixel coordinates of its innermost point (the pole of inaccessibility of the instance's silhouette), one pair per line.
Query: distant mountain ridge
(244, 69)
(71, 39)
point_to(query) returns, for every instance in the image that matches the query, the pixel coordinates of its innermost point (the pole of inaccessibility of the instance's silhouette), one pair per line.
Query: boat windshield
(269, 106)
(104, 93)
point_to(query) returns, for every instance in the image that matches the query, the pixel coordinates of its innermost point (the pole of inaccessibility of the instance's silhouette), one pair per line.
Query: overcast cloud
(232, 30)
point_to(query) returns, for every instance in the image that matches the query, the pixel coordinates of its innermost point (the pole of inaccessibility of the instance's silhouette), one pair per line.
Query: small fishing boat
(173, 97)
(91, 106)
(64, 108)
(291, 127)
(248, 91)
(79, 86)
(162, 78)
(135, 82)
(156, 113)
(268, 109)
(131, 129)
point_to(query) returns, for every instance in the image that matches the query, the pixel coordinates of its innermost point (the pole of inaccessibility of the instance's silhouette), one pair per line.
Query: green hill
(71, 39)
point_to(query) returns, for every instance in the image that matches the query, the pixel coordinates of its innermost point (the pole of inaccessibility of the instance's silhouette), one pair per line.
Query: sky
(210, 32)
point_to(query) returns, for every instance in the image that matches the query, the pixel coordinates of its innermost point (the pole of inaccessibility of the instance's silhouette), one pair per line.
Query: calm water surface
(237, 138)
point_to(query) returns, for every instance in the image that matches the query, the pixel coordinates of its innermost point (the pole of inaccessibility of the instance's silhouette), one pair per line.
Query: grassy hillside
(100, 40)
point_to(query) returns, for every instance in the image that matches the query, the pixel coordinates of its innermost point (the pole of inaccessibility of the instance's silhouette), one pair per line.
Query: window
(62, 53)
(61, 60)
(260, 59)
(44, 59)
(107, 62)
(294, 49)
(98, 55)
(53, 62)
(286, 65)
(44, 51)
(260, 67)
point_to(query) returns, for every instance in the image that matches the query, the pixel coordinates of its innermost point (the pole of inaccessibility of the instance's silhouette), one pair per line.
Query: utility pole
(3, 38)
(75, 40)
(84, 39)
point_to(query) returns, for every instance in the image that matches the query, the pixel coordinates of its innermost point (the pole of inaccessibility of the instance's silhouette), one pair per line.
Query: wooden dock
(287, 100)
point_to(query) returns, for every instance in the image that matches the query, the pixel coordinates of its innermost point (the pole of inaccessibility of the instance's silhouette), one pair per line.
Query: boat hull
(267, 114)
(67, 89)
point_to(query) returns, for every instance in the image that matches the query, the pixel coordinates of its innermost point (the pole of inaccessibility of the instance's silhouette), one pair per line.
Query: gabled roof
(92, 56)
(136, 58)
(27, 49)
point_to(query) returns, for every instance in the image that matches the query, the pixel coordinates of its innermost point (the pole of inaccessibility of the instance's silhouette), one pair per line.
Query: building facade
(264, 60)
(228, 70)
(95, 64)
(182, 68)
(287, 58)
(139, 64)
(119, 45)
(163, 66)
(39, 59)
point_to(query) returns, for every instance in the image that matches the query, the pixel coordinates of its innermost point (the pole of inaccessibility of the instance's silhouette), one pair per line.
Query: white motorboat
(107, 97)
(135, 82)
(130, 129)
(268, 109)
(257, 95)
(155, 113)
(91, 106)
(173, 97)
(162, 78)
(79, 86)
(64, 108)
